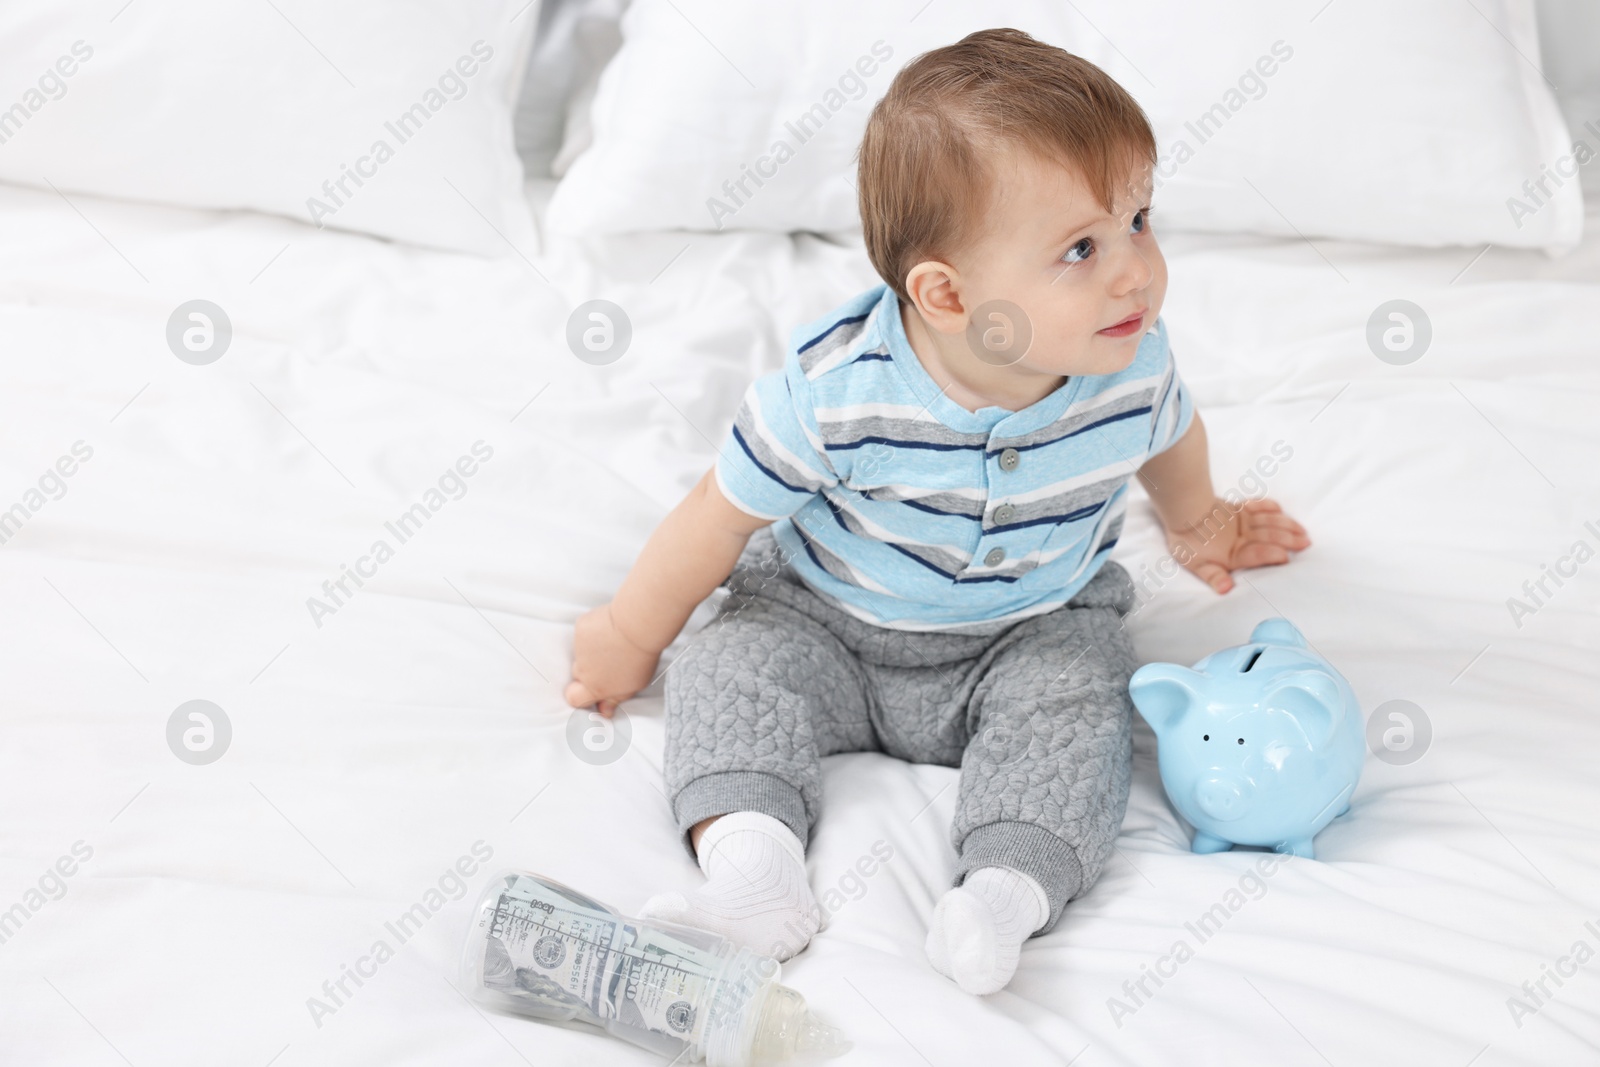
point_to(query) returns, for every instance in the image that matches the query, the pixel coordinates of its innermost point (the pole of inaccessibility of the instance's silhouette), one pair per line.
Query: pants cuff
(721, 792)
(1028, 848)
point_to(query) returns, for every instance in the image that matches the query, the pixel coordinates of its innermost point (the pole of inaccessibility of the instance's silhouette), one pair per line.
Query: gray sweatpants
(1035, 713)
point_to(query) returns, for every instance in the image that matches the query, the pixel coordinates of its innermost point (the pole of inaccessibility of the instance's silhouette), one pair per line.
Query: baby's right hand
(607, 668)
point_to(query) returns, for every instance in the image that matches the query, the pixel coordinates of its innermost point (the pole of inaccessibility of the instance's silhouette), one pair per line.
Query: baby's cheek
(1065, 318)
(1158, 283)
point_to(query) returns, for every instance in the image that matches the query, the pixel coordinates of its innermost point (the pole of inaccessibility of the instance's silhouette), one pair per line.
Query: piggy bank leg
(1204, 843)
(1300, 846)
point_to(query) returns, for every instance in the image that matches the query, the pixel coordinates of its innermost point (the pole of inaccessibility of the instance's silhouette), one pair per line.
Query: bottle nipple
(787, 1029)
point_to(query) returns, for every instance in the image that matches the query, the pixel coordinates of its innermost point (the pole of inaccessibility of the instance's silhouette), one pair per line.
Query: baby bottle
(538, 948)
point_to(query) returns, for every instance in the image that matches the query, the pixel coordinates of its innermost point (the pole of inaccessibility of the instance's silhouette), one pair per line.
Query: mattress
(379, 722)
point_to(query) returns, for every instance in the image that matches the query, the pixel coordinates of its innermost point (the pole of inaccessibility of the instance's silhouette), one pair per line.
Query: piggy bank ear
(1312, 699)
(1278, 631)
(1163, 692)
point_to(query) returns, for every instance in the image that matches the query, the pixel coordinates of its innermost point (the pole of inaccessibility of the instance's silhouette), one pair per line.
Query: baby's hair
(924, 181)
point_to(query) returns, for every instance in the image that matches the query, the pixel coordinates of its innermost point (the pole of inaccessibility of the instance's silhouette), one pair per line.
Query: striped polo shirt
(908, 511)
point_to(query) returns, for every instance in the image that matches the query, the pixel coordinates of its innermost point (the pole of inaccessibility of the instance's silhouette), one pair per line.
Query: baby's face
(1050, 249)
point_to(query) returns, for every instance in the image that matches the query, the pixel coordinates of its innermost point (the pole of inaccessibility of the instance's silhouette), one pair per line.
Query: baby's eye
(1076, 253)
(1081, 251)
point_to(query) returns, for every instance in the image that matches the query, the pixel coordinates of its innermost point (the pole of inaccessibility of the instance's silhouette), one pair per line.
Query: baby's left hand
(1257, 535)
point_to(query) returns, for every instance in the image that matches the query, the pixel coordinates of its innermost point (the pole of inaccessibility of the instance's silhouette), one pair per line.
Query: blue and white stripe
(884, 492)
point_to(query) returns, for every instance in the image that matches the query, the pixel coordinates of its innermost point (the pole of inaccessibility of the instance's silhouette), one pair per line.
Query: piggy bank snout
(1223, 798)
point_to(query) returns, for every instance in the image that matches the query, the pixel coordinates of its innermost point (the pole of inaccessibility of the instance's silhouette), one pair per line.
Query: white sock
(979, 926)
(756, 893)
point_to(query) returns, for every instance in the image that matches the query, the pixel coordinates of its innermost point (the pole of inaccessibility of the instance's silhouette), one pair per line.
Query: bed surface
(376, 744)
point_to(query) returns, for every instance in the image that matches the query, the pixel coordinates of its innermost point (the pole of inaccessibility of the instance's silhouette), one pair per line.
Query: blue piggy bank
(1260, 744)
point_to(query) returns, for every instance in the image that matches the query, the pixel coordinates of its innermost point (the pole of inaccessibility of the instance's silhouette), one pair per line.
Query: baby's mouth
(1126, 326)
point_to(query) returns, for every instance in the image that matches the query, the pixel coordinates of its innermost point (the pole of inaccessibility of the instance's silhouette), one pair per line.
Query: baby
(914, 516)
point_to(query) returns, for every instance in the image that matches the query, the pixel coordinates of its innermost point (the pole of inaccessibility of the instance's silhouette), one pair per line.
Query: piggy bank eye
(1241, 740)
(1207, 737)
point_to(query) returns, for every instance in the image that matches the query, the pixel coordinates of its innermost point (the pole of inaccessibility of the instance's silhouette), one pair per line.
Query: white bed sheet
(425, 715)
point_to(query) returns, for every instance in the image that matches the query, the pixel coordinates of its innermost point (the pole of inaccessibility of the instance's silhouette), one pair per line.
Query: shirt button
(1009, 459)
(994, 557)
(1004, 513)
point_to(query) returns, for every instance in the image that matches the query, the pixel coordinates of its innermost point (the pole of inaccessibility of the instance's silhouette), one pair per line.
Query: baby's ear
(1163, 692)
(934, 288)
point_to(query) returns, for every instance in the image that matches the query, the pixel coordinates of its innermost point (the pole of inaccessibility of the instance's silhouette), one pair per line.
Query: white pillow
(576, 39)
(598, 38)
(1413, 123)
(386, 118)
(547, 76)
(1570, 32)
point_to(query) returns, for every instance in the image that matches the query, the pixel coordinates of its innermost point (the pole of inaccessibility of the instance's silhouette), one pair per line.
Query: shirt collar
(991, 419)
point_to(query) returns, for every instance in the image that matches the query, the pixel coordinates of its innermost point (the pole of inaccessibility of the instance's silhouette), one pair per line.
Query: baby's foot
(979, 926)
(755, 894)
